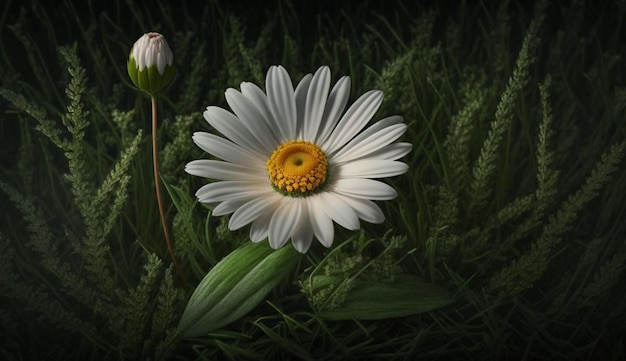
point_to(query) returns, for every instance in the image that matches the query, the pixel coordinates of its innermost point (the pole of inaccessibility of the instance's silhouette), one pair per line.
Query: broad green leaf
(236, 285)
(406, 295)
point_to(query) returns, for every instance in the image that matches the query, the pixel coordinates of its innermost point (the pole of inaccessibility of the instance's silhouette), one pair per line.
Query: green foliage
(485, 166)
(342, 268)
(175, 153)
(521, 273)
(513, 200)
(355, 286)
(236, 285)
(77, 263)
(604, 280)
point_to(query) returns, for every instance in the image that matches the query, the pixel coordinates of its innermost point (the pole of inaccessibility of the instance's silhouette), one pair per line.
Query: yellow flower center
(297, 168)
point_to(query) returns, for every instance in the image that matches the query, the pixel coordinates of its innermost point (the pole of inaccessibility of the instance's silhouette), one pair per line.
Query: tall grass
(513, 201)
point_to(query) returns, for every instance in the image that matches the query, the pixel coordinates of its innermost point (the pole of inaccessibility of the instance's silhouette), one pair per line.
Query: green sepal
(236, 285)
(149, 79)
(375, 300)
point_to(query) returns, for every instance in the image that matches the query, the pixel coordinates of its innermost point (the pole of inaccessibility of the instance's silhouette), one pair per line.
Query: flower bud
(151, 63)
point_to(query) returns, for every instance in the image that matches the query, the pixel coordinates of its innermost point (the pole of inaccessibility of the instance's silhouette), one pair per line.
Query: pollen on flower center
(297, 168)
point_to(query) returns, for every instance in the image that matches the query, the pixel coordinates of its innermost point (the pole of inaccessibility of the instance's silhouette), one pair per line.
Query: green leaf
(236, 285)
(406, 295)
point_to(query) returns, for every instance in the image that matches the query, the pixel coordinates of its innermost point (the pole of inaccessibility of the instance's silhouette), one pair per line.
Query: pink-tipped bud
(151, 63)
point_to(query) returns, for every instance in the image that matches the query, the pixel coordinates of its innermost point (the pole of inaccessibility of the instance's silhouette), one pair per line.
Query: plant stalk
(157, 185)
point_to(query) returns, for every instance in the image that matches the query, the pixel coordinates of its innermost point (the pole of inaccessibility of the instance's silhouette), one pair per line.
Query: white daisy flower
(292, 161)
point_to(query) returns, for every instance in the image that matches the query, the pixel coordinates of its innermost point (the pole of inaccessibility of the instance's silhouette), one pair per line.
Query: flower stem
(157, 185)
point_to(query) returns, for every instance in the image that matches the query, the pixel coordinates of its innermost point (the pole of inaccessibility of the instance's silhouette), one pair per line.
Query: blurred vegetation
(513, 200)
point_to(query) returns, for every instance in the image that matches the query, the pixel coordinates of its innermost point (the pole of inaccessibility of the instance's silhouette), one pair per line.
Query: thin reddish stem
(157, 185)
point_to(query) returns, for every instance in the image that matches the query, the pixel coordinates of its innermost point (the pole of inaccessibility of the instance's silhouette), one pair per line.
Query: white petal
(252, 118)
(232, 191)
(365, 209)
(316, 99)
(335, 106)
(283, 222)
(232, 128)
(303, 233)
(370, 168)
(259, 99)
(355, 118)
(160, 62)
(369, 141)
(250, 211)
(379, 125)
(227, 207)
(302, 245)
(216, 169)
(228, 151)
(280, 96)
(301, 94)
(260, 227)
(321, 222)
(339, 211)
(364, 188)
(392, 151)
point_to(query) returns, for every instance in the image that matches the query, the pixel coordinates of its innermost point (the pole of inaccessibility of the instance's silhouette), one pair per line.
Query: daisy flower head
(293, 161)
